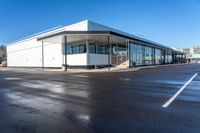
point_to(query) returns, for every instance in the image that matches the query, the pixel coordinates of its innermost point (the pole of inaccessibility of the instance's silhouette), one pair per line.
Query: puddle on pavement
(11, 78)
(59, 88)
(169, 82)
(80, 76)
(48, 106)
(125, 79)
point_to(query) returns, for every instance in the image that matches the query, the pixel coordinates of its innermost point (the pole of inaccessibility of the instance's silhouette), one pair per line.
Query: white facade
(25, 54)
(29, 52)
(77, 59)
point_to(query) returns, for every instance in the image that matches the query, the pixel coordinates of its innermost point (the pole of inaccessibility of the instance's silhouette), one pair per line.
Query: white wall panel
(26, 58)
(77, 59)
(52, 55)
(29, 54)
(23, 45)
(98, 59)
(25, 54)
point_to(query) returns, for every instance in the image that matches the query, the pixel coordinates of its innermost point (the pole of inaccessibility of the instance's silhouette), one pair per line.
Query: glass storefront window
(114, 49)
(158, 56)
(122, 50)
(98, 48)
(101, 49)
(139, 54)
(169, 56)
(106, 49)
(148, 55)
(82, 48)
(92, 48)
(136, 54)
(76, 48)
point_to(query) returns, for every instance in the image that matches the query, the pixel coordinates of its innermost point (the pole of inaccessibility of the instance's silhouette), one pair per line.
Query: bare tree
(2, 53)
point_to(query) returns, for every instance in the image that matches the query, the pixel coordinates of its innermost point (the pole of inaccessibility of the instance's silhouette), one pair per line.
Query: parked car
(4, 64)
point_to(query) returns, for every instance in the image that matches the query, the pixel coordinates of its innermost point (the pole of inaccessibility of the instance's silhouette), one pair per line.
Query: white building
(192, 54)
(87, 45)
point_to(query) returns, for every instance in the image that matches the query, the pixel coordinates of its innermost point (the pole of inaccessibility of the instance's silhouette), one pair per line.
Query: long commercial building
(88, 45)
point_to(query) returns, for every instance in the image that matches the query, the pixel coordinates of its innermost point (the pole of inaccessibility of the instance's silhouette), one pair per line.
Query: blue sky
(170, 22)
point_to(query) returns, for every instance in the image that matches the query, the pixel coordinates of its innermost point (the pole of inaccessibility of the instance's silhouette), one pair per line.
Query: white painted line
(178, 92)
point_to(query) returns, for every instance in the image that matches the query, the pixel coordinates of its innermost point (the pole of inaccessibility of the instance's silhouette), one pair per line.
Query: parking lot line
(178, 92)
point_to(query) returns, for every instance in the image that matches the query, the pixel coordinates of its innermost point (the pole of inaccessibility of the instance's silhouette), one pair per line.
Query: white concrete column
(87, 52)
(128, 52)
(42, 54)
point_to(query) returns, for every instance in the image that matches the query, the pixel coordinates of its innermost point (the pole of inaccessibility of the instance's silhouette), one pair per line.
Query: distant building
(185, 50)
(192, 54)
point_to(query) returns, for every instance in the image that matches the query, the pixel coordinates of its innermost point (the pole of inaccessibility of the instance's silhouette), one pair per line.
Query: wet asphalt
(118, 102)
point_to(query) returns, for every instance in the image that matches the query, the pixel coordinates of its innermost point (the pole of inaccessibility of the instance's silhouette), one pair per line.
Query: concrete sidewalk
(102, 70)
(40, 70)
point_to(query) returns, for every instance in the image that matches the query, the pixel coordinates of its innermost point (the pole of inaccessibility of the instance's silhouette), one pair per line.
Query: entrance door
(119, 55)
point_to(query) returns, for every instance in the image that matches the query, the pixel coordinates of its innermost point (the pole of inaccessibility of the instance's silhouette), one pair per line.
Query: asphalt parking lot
(117, 102)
